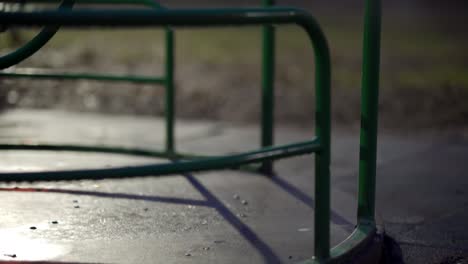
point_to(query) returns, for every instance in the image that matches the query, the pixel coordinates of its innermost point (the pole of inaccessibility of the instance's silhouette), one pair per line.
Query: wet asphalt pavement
(222, 216)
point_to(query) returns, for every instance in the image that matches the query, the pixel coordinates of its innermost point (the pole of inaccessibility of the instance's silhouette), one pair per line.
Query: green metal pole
(369, 112)
(322, 158)
(268, 97)
(170, 91)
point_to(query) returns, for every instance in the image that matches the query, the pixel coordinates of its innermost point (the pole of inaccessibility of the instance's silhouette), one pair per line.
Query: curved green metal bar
(101, 149)
(47, 33)
(352, 246)
(366, 228)
(119, 151)
(34, 44)
(153, 170)
(213, 17)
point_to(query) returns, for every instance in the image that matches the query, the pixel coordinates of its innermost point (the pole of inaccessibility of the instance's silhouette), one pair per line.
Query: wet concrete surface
(222, 216)
(430, 219)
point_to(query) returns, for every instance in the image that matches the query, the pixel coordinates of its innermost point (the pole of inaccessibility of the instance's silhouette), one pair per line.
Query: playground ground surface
(422, 183)
(221, 216)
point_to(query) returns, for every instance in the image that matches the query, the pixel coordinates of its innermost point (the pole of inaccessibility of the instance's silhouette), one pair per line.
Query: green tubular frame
(320, 145)
(268, 80)
(47, 33)
(268, 61)
(34, 44)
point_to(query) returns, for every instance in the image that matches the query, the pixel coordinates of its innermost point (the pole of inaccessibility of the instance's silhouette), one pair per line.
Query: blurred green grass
(411, 56)
(422, 55)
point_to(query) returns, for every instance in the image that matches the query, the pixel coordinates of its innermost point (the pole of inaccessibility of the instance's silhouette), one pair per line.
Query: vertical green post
(323, 157)
(268, 78)
(369, 112)
(170, 91)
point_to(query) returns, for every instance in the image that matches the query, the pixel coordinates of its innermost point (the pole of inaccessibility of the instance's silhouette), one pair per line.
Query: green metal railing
(267, 16)
(167, 80)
